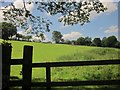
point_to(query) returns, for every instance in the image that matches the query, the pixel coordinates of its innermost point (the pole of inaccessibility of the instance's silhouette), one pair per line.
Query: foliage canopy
(57, 36)
(7, 30)
(71, 13)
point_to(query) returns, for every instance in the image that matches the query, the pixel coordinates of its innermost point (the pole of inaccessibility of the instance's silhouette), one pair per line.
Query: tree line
(110, 41)
(8, 30)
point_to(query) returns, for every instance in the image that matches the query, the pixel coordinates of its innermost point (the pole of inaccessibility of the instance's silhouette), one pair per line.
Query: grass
(53, 52)
(92, 54)
(58, 52)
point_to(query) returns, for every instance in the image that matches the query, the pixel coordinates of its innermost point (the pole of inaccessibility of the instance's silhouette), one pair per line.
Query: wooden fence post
(0, 67)
(6, 58)
(48, 78)
(27, 67)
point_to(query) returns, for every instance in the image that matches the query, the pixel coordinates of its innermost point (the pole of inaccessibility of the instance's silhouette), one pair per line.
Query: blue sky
(101, 25)
(96, 28)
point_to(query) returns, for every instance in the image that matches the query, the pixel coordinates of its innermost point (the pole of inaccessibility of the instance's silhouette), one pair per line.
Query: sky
(100, 25)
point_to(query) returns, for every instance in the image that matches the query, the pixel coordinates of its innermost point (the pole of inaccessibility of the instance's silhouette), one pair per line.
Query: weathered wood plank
(39, 84)
(77, 83)
(16, 61)
(48, 77)
(77, 63)
(27, 67)
(14, 83)
(6, 57)
(86, 83)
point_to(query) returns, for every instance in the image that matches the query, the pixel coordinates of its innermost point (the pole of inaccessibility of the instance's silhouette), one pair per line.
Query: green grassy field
(59, 52)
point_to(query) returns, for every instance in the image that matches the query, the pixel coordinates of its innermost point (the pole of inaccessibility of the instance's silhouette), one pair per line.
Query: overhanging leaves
(71, 13)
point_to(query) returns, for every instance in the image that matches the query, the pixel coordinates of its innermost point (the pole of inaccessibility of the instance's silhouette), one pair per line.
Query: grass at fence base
(75, 88)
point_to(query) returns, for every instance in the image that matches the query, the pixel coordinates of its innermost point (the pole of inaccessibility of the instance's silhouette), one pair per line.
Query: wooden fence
(27, 66)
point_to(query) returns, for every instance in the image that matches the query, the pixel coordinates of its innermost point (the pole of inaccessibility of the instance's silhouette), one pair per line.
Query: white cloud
(37, 39)
(22, 32)
(19, 4)
(29, 30)
(1, 16)
(25, 32)
(72, 35)
(110, 4)
(46, 38)
(111, 29)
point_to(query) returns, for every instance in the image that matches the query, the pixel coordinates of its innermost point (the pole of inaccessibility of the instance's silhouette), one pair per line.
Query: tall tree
(88, 41)
(70, 13)
(42, 36)
(56, 36)
(7, 30)
(104, 42)
(111, 41)
(97, 42)
(81, 41)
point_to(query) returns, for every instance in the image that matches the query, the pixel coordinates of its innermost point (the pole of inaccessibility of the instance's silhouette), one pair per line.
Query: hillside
(57, 52)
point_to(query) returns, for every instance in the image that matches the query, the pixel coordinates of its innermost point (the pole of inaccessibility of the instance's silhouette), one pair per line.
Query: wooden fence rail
(27, 64)
(76, 63)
